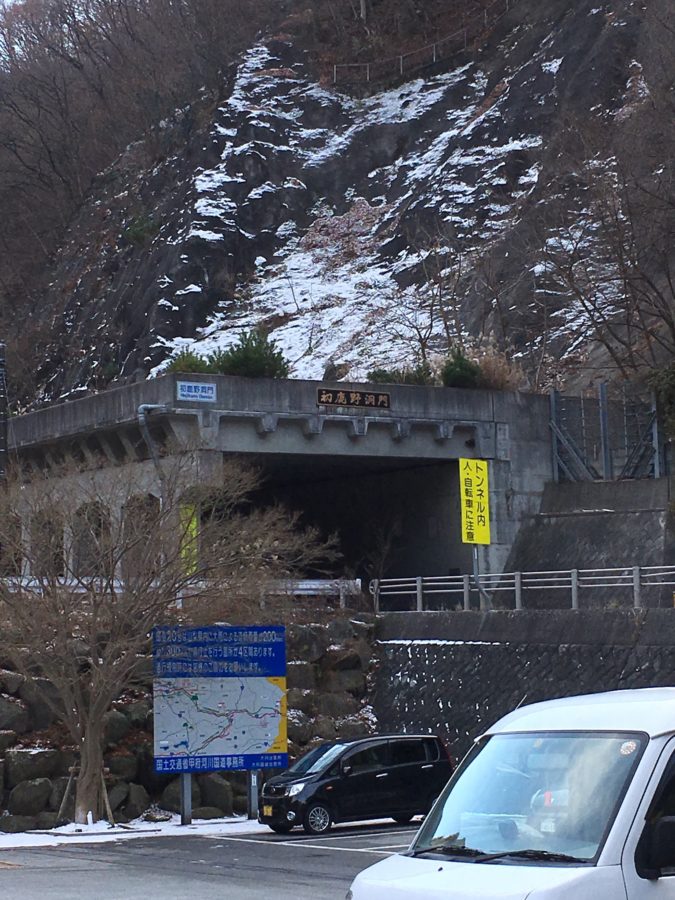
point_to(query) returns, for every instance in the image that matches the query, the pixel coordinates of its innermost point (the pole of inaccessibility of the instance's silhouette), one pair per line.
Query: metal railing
(323, 588)
(512, 588)
(396, 66)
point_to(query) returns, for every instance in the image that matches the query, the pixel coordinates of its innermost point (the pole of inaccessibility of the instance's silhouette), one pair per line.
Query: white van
(571, 799)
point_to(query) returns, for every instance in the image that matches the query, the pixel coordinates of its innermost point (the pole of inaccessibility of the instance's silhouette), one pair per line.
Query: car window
(664, 801)
(317, 759)
(433, 752)
(557, 792)
(662, 805)
(407, 752)
(373, 757)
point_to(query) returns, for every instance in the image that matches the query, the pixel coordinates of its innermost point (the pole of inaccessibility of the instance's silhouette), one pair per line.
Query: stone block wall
(328, 686)
(328, 691)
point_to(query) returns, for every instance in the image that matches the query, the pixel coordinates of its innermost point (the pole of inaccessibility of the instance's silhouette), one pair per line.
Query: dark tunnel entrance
(394, 518)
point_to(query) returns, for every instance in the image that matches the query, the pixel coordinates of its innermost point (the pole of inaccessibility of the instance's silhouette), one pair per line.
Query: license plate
(267, 810)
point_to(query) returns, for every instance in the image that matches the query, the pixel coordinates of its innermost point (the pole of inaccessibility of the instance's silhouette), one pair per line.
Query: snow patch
(553, 66)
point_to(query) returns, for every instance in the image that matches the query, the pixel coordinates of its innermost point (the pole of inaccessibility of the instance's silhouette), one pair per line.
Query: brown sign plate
(353, 399)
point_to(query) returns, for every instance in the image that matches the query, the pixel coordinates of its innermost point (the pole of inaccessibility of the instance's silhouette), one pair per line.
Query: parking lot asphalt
(240, 867)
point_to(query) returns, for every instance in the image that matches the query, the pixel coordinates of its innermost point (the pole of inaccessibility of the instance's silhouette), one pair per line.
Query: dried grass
(499, 371)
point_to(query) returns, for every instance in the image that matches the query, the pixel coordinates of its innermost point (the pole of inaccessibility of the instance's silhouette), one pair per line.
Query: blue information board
(219, 698)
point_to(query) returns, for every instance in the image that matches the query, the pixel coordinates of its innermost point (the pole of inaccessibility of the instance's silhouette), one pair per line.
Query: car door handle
(383, 775)
(428, 766)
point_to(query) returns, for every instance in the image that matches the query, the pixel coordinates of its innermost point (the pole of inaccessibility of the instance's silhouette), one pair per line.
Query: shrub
(140, 230)
(460, 372)
(187, 361)
(254, 356)
(217, 361)
(420, 375)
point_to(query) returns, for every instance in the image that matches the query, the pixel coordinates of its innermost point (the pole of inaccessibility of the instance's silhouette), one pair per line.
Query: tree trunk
(88, 794)
(364, 11)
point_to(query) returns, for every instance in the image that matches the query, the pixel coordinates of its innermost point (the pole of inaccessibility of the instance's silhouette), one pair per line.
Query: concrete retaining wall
(456, 673)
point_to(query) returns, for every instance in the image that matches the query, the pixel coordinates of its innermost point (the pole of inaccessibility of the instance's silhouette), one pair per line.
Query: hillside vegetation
(175, 174)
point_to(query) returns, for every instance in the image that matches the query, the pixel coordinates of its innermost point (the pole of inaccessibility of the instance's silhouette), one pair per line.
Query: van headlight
(295, 788)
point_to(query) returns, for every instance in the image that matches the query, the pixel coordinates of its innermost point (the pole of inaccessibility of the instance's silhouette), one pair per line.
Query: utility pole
(3, 416)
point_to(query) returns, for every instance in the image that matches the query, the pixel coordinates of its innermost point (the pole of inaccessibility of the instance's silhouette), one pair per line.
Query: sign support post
(252, 785)
(485, 602)
(185, 798)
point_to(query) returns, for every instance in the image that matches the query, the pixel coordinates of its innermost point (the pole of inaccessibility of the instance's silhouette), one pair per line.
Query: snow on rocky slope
(361, 231)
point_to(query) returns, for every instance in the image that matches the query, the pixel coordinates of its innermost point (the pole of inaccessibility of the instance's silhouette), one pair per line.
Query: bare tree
(103, 561)
(613, 263)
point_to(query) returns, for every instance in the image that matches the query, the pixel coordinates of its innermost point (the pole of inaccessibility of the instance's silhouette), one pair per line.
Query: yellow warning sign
(475, 501)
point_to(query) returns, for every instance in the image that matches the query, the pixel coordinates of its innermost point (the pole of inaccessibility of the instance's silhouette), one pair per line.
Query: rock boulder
(171, 796)
(17, 824)
(14, 715)
(138, 800)
(216, 791)
(207, 812)
(27, 765)
(29, 798)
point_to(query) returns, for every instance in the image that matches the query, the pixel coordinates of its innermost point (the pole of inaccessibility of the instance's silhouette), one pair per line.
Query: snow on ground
(101, 832)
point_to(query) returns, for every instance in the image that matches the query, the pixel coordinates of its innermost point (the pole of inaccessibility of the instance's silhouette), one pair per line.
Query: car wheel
(402, 820)
(281, 829)
(317, 819)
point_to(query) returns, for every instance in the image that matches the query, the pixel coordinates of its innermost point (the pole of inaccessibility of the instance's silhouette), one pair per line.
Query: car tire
(281, 829)
(402, 820)
(317, 819)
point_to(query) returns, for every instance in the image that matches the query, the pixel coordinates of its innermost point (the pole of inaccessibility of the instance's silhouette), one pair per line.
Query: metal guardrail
(393, 66)
(307, 587)
(518, 584)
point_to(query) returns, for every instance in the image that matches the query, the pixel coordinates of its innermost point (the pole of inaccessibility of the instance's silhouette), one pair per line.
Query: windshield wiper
(545, 855)
(451, 849)
(479, 856)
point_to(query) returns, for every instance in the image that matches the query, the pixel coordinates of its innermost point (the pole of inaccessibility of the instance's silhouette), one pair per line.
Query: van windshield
(317, 759)
(533, 796)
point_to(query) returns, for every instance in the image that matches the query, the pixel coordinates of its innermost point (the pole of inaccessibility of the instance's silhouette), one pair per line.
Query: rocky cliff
(367, 228)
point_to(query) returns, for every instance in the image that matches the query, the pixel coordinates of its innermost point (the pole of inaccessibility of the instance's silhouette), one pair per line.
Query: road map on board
(219, 699)
(219, 716)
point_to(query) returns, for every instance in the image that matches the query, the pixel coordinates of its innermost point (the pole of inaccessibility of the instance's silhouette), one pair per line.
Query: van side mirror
(346, 769)
(662, 844)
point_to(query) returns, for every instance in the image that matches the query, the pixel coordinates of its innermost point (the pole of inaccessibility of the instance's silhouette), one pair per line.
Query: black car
(383, 776)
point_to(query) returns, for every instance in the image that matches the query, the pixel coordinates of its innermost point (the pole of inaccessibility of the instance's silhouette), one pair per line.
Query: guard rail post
(466, 587)
(518, 588)
(376, 595)
(637, 601)
(574, 579)
(420, 594)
